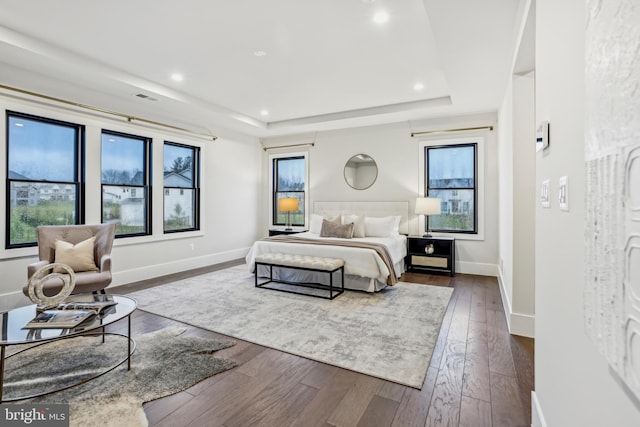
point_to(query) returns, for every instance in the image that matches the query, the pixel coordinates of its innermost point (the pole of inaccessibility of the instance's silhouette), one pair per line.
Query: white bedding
(364, 270)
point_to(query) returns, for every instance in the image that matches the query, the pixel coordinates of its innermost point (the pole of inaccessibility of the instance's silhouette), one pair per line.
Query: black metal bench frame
(331, 288)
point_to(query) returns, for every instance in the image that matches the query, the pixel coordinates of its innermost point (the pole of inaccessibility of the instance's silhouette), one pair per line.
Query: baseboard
(537, 417)
(164, 269)
(477, 268)
(517, 323)
(523, 325)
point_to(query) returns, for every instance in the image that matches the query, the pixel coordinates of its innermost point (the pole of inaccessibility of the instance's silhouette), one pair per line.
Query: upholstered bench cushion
(301, 261)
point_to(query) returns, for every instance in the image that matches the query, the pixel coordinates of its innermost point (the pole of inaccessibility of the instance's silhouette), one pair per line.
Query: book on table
(59, 319)
(74, 310)
(95, 302)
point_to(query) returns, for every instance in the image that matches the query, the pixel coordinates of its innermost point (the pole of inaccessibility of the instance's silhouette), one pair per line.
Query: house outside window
(451, 175)
(288, 180)
(44, 176)
(181, 187)
(126, 182)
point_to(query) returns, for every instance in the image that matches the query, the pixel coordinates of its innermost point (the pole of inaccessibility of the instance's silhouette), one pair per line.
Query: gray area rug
(390, 334)
(164, 363)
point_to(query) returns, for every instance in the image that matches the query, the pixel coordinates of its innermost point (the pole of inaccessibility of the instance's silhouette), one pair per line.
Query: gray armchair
(86, 281)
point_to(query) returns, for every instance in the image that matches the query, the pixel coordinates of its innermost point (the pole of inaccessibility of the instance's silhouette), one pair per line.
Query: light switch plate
(563, 193)
(544, 194)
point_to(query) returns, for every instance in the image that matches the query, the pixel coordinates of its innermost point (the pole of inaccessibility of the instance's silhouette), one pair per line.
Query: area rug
(164, 363)
(390, 334)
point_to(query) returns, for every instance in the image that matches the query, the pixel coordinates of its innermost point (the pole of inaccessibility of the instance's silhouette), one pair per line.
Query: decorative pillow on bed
(316, 222)
(79, 257)
(358, 224)
(331, 229)
(381, 227)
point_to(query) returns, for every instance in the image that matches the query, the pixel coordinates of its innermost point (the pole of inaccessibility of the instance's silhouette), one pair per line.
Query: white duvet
(360, 262)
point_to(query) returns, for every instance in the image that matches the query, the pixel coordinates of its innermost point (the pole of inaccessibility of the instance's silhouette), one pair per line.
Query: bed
(365, 269)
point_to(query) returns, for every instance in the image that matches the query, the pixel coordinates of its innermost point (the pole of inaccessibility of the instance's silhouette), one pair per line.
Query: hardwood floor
(479, 376)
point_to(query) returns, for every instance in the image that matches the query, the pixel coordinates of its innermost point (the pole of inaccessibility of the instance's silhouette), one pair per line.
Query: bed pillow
(331, 229)
(316, 222)
(358, 224)
(79, 256)
(380, 227)
(396, 225)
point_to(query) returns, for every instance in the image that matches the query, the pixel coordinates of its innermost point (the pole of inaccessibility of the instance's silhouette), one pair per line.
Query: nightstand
(443, 257)
(277, 232)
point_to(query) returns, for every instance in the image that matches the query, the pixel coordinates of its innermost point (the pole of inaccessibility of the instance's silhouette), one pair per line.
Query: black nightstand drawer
(442, 257)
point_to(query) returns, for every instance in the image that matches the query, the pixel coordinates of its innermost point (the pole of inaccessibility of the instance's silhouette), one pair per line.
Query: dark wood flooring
(479, 375)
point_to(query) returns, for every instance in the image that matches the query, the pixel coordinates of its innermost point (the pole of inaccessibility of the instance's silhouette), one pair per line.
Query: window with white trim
(452, 171)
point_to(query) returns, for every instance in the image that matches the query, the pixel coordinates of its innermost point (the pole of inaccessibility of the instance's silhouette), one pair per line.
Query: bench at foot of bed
(305, 263)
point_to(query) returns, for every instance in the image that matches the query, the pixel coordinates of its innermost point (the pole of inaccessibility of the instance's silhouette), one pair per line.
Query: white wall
(574, 386)
(516, 152)
(524, 197)
(397, 156)
(505, 208)
(230, 197)
(516, 205)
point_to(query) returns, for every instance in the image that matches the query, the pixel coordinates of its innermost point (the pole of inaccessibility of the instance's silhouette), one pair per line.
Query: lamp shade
(288, 204)
(428, 206)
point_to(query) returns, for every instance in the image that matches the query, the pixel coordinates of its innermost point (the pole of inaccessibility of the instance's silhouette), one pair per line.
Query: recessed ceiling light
(367, 1)
(264, 112)
(260, 53)
(177, 77)
(381, 17)
(418, 86)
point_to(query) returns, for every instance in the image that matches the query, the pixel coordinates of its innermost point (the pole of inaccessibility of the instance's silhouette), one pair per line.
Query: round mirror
(360, 172)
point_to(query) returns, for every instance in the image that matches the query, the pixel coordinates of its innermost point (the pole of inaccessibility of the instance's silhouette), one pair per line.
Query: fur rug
(164, 363)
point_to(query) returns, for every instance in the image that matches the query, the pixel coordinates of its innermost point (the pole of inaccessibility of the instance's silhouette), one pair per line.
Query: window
(288, 181)
(126, 171)
(451, 176)
(181, 187)
(44, 176)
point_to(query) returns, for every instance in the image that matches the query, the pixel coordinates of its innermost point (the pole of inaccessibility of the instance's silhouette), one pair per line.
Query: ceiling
(311, 64)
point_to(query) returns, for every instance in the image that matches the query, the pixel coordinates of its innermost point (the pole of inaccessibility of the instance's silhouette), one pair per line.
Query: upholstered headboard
(375, 209)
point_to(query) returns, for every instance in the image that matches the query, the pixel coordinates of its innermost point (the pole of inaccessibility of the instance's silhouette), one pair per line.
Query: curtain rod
(451, 130)
(308, 144)
(103, 111)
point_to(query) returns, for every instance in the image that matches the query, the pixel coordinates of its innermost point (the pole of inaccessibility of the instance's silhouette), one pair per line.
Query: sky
(30, 139)
(292, 170)
(122, 153)
(451, 163)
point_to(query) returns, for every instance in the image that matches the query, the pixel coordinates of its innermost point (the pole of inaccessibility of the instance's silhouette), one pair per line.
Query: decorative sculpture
(39, 278)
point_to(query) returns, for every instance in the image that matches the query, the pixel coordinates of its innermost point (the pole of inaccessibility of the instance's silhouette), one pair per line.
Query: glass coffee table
(12, 332)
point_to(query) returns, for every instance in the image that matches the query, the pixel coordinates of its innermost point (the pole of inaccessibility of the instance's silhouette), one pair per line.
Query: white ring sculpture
(36, 284)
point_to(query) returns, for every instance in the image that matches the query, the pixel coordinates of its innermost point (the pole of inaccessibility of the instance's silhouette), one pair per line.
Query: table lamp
(288, 205)
(427, 206)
